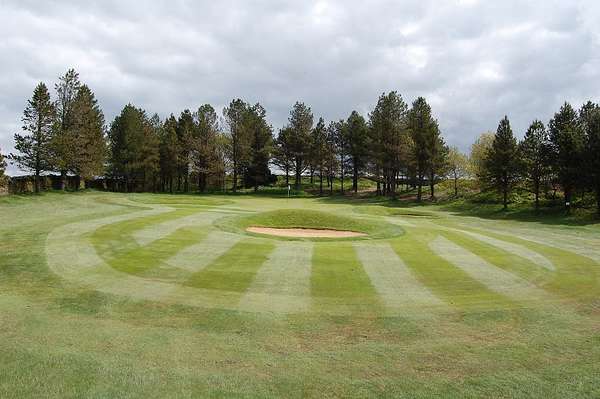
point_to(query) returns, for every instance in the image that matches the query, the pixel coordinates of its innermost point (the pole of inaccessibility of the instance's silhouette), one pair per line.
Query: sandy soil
(305, 232)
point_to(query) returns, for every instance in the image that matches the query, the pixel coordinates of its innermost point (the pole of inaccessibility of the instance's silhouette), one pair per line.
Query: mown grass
(234, 270)
(62, 340)
(311, 219)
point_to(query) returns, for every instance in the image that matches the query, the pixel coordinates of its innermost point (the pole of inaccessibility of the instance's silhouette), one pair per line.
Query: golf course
(155, 295)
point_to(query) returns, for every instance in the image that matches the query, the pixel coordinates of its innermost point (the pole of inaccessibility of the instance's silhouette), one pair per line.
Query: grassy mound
(308, 219)
(179, 199)
(391, 211)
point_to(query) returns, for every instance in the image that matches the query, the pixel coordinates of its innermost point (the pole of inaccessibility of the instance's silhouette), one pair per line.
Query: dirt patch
(311, 233)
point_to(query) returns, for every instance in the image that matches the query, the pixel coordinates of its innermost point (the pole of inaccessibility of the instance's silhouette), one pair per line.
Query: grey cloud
(474, 60)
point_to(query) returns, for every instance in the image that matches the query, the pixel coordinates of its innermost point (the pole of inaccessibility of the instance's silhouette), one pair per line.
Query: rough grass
(320, 322)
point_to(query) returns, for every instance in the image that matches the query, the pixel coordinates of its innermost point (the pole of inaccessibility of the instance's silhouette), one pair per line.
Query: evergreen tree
(64, 141)
(357, 136)
(427, 145)
(319, 150)
(261, 143)
(283, 156)
(301, 123)
(204, 150)
(342, 151)
(534, 155)
(332, 163)
(592, 154)
(88, 138)
(388, 140)
(238, 148)
(134, 144)
(185, 133)
(502, 165)
(169, 153)
(567, 142)
(33, 147)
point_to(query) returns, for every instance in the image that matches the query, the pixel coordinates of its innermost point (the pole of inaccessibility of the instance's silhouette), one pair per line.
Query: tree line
(396, 145)
(562, 156)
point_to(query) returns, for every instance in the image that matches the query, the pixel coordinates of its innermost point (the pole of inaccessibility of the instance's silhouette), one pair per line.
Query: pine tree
(592, 152)
(534, 155)
(34, 150)
(134, 146)
(185, 132)
(283, 156)
(502, 165)
(204, 148)
(388, 140)
(261, 144)
(168, 153)
(332, 163)
(357, 135)
(301, 123)
(427, 146)
(88, 137)
(567, 142)
(64, 141)
(319, 150)
(238, 148)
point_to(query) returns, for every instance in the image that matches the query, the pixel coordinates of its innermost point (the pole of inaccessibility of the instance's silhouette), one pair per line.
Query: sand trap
(323, 233)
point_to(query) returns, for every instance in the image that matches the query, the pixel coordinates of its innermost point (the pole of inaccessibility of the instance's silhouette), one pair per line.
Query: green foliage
(592, 153)
(300, 124)
(567, 142)
(356, 140)
(502, 166)
(134, 148)
(534, 153)
(2, 170)
(458, 166)
(390, 143)
(33, 147)
(260, 133)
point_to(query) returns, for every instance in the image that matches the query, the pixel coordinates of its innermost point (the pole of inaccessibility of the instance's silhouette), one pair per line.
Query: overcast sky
(473, 60)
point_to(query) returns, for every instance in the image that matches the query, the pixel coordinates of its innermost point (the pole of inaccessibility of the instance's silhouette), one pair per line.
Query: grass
(319, 324)
(312, 219)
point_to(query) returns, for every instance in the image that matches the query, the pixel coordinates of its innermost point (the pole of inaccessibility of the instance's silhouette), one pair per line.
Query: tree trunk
(455, 184)
(320, 183)
(432, 185)
(420, 188)
(342, 182)
(234, 178)
(36, 184)
(568, 200)
(505, 198)
(355, 178)
(63, 180)
(598, 198)
(537, 195)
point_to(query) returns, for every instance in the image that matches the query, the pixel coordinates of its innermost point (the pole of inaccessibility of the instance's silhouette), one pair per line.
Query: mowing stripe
(398, 221)
(446, 281)
(393, 280)
(235, 269)
(149, 260)
(286, 273)
(339, 283)
(516, 249)
(196, 257)
(493, 277)
(149, 234)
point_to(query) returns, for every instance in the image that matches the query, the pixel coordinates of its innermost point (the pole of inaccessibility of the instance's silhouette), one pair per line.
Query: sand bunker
(323, 233)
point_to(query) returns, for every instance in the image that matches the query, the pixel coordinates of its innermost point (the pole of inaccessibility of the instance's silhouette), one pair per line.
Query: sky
(474, 61)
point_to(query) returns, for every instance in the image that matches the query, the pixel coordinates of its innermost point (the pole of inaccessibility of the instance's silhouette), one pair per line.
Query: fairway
(148, 295)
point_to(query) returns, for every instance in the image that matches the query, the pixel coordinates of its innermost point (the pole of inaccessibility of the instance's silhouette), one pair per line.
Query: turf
(160, 296)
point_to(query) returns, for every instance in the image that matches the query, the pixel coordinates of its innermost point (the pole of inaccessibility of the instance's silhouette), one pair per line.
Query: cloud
(474, 61)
